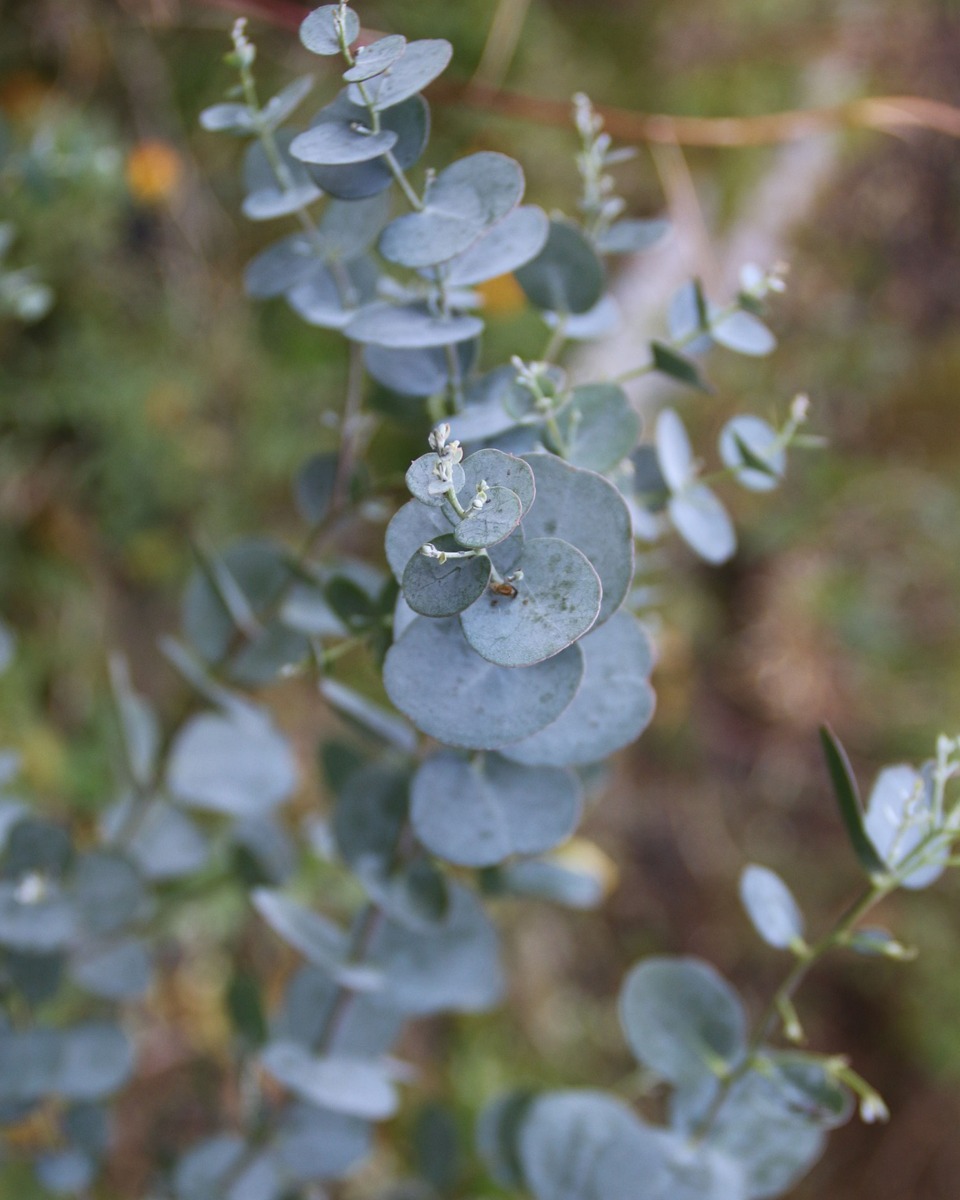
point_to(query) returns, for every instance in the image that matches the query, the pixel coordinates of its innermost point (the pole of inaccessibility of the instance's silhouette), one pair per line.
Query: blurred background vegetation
(154, 407)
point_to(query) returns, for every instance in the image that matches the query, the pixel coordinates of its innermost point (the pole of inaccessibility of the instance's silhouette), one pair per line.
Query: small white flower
(31, 889)
(873, 1109)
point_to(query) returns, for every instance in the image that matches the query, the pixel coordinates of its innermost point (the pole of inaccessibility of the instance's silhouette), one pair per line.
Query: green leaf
(240, 766)
(491, 524)
(599, 427)
(409, 327)
(682, 1019)
(477, 814)
(499, 470)
(375, 58)
(703, 523)
(848, 799)
(771, 907)
(586, 510)
(314, 1144)
(320, 31)
(557, 601)
(613, 704)
(115, 970)
(512, 242)
(354, 1086)
(421, 62)
(670, 362)
(566, 276)
(436, 589)
(313, 487)
(333, 140)
(498, 1136)
(409, 528)
(450, 692)
(312, 935)
(750, 446)
(421, 474)
(900, 817)
(743, 333)
(632, 236)
(410, 121)
(453, 967)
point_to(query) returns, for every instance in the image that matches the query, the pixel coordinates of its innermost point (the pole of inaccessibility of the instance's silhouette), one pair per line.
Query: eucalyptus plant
(514, 657)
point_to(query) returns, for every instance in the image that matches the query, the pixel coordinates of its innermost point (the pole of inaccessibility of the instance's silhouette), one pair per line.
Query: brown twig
(887, 114)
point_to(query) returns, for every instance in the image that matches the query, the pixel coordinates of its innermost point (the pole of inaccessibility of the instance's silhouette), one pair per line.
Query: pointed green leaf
(848, 798)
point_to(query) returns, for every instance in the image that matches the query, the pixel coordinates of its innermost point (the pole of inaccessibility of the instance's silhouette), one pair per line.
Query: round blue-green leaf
(499, 470)
(421, 474)
(436, 589)
(348, 228)
(544, 879)
(285, 102)
(36, 926)
(433, 676)
(321, 30)
(671, 1169)
(747, 441)
(498, 1136)
(557, 601)
(354, 1086)
(409, 327)
(258, 1178)
(899, 817)
(806, 1081)
(280, 267)
(744, 333)
(96, 1060)
(329, 296)
(29, 1063)
(332, 141)
(599, 427)
(240, 766)
(451, 219)
(228, 118)
(116, 971)
(416, 372)
(674, 453)
(375, 58)
(631, 236)
(566, 276)
(586, 510)
(205, 1167)
(703, 523)
(314, 485)
(108, 891)
(421, 62)
(495, 179)
(604, 319)
(409, 528)
(771, 907)
(314, 1144)
(512, 242)
(682, 1019)
(766, 1133)
(565, 1139)
(489, 525)
(476, 814)
(455, 966)
(410, 121)
(266, 198)
(484, 415)
(67, 1172)
(165, 843)
(309, 932)
(612, 707)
